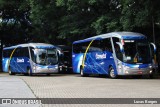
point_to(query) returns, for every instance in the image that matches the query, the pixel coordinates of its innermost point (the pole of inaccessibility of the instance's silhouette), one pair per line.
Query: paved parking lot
(74, 86)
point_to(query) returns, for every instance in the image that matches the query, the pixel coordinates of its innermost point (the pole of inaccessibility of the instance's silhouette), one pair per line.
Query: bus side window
(117, 48)
(9, 52)
(107, 45)
(96, 46)
(21, 52)
(114, 43)
(32, 54)
(118, 52)
(16, 53)
(26, 52)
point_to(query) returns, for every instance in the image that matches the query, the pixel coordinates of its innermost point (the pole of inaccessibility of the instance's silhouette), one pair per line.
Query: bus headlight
(126, 72)
(119, 67)
(34, 68)
(150, 71)
(125, 67)
(150, 66)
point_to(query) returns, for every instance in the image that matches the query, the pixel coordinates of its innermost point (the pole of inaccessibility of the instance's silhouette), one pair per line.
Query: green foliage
(78, 19)
(99, 25)
(14, 18)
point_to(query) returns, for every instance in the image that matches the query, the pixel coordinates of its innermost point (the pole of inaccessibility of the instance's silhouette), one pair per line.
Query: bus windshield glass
(46, 56)
(137, 51)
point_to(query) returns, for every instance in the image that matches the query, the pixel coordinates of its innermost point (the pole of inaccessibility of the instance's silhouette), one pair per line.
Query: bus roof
(34, 45)
(121, 35)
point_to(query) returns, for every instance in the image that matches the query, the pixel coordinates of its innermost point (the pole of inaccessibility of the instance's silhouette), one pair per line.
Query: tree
(45, 16)
(108, 15)
(76, 23)
(138, 15)
(14, 19)
(14, 22)
(83, 18)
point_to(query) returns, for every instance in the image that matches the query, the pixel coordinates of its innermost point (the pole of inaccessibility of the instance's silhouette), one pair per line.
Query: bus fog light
(150, 66)
(126, 72)
(119, 67)
(34, 68)
(150, 71)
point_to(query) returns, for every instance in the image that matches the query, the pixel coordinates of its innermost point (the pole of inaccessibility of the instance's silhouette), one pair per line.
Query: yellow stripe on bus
(84, 57)
(11, 57)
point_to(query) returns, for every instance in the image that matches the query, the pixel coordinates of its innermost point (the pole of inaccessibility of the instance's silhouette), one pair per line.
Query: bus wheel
(112, 73)
(29, 72)
(82, 72)
(10, 72)
(151, 76)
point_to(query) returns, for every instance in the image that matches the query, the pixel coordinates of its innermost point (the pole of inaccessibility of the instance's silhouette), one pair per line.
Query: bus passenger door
(109, 60)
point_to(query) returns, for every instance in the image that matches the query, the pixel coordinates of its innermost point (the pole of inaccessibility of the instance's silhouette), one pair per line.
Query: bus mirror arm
(154, 46)
(121, 47)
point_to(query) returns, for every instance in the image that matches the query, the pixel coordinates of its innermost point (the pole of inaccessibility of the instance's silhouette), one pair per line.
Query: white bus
(31, 58)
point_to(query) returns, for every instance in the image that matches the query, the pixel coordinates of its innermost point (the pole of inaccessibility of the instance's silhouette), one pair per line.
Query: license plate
(139, 72)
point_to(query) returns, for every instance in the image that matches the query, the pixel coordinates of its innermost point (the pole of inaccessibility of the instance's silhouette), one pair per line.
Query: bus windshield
(46, 56)
(137, 51)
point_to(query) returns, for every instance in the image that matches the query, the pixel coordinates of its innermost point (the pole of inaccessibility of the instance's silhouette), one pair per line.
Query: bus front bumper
(45, 70)
(136, 71)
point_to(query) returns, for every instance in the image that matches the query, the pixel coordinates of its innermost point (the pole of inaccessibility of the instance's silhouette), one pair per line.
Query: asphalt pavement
(12, 87)
(74, 86)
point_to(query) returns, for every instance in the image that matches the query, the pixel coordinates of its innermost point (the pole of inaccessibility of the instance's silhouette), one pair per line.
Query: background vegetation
(64, 21)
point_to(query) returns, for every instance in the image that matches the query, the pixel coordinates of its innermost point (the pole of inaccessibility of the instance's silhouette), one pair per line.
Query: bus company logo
(101, 56)
(6, 101)
(20, 60)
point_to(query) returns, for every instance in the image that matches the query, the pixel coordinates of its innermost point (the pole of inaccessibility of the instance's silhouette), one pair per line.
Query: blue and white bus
(113, 54)
(31, 58)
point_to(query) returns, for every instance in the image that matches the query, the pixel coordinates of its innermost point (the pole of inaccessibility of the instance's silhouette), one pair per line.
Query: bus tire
(82, 73)
(151, 76)
(10, 72)
(29, 72)
(112, 74)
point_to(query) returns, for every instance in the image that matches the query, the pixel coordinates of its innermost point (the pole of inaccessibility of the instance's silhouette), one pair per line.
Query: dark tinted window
(21, 52)
(107, 45)
(116, 47)
(80, 47)
(96, 46)
(32, 54)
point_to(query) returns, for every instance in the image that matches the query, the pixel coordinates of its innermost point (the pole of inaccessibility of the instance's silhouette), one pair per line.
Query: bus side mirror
(154, 47)
(120, 46)
(154, 53)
